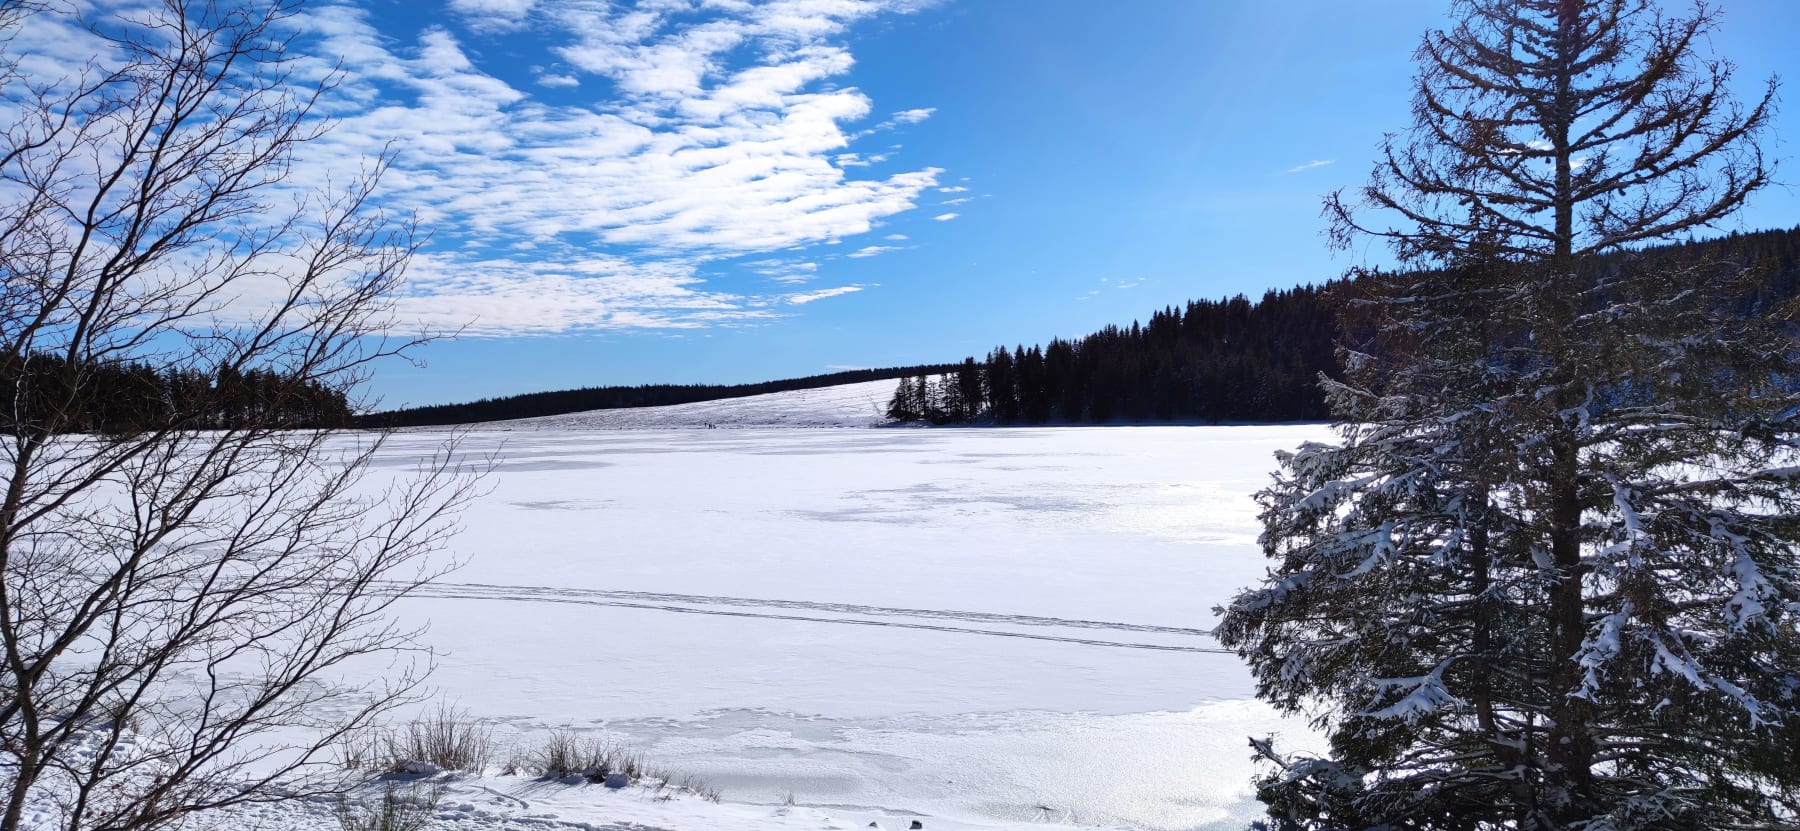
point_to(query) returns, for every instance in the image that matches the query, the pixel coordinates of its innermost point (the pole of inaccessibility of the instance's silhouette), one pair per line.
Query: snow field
(978, 626)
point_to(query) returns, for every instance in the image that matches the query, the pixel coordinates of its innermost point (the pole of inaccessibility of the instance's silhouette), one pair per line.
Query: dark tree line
(1225, 360)
(132, 397)
(1237, 360)
(532, 405)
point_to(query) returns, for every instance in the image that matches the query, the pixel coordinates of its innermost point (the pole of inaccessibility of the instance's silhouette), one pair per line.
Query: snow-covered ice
(980, 629)
(974, 625)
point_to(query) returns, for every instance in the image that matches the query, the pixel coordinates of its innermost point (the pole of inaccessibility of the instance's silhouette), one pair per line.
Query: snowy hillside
(849, 405)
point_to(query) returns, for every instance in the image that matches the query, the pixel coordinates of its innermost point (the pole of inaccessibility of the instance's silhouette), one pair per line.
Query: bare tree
(178, 601)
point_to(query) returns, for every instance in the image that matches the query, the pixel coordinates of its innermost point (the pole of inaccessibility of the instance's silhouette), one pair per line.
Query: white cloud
(956, 189)
(958, 201)
(537, 297)
(899, 119)
(946, 217)
(1108, 282)
(1301, 168)
(698, 154)
(871, 251)
(821, 294)
(912, 116)
(493, 15)
(790, 272)
(859, 160)
(561, 81)
(896, 237)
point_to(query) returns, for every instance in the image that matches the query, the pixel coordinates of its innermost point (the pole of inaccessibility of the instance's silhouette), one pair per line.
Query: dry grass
(566, 754)
(447, 739)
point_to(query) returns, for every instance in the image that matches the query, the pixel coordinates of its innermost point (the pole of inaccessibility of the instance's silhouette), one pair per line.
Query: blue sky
(726, 191)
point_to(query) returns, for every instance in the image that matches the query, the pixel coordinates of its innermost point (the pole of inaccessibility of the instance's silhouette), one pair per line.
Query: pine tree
(968, 385)
(1002, 386)
(1549, 578)
(902, 407)
(924, 399)
(1062, 376)
(1035, 398)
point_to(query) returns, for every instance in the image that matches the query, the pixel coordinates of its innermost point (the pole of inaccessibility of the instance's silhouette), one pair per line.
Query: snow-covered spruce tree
(1548, 580)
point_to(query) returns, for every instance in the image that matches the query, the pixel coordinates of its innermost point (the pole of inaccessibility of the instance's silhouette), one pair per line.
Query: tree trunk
(30, 762)
(1571, 742)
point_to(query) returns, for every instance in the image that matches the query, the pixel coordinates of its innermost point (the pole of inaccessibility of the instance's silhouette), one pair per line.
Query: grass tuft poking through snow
(402, 774)
(565, 755)
(448, 739)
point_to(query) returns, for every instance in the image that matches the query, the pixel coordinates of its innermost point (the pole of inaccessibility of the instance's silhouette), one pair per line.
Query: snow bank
(491, 803)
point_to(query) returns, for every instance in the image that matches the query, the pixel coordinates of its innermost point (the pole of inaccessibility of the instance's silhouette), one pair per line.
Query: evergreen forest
(1234, 360)
(122, 397)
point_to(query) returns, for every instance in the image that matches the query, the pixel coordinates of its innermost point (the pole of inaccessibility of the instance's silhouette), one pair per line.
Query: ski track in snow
(733, 607)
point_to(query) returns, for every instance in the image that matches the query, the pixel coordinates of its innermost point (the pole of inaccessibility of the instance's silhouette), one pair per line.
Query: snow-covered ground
(508, 803)
(974, 628)
(847, 405)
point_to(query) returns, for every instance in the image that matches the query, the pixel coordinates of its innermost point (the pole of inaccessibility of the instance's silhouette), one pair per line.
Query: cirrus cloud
(1312, 165)
(706, 138)
(820, 294)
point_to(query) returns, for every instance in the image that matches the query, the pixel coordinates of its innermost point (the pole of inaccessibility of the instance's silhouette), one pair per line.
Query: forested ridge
(1237, 360)
(117, 397)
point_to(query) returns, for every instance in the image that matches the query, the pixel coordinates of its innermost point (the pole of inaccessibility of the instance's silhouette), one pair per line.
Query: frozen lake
(980, 623)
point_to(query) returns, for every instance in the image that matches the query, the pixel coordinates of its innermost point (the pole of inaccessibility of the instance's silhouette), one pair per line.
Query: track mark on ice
(709, 605)
(474, 590)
